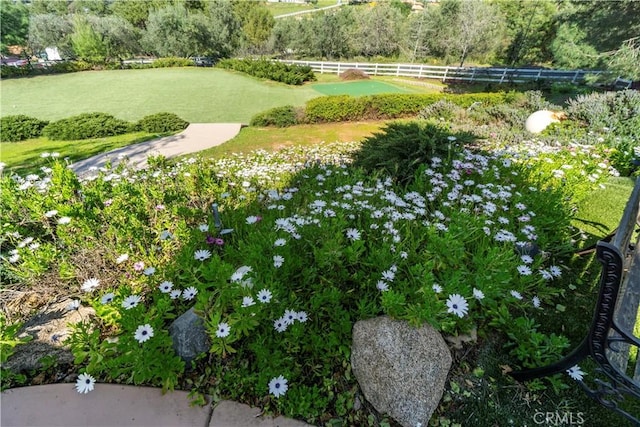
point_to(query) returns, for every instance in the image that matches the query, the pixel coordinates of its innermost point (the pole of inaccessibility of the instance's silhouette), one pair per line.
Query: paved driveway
(196, 137)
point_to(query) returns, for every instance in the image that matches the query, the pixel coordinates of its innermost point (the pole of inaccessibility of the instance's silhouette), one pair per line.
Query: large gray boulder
(401, 369)
(189, 336)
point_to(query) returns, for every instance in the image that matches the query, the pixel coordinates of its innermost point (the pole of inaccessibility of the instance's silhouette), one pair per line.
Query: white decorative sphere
(538, 121)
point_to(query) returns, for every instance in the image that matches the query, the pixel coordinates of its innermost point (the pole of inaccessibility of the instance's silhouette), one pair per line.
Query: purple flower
(138, 266)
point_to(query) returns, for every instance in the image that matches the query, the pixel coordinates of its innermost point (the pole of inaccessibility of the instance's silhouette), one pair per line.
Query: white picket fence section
(453, 74)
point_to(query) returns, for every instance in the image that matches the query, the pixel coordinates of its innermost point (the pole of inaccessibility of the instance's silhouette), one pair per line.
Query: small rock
(189, 336)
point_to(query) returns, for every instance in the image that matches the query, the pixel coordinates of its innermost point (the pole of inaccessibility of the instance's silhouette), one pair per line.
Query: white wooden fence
(453, 74)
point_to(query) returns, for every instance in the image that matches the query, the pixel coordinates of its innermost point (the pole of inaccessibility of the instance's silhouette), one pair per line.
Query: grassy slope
(198, 95)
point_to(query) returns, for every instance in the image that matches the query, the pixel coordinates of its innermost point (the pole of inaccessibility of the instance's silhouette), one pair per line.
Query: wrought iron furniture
(611, 338)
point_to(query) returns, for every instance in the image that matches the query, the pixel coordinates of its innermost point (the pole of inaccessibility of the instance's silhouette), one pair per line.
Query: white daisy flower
(175, 293)
(555, 271)
(478, 294)
(73, 305)
(382, 285)
(90, 284)
(51, 213)
(290, 316)
(203, 227)
(107, 298)
(302, 316)
(14, 258)
(202, 254)
(149, 271)
(122, 258)
(189, 293)
(546, 275)
(143, 333)
(388, 275)
(280, 325)
(524, 270)
(436, 288)
(64, 220)
(278, 261)
(252, 219)
(280, 242)
(166, 235)
(516, 294)
(239, 274)
(353, 234)
(165, 287)
(576, 373)
(85, 383)
(223, 330)
(278, 386)
(527, 259)
(131, 301)
(248, 301)
(264, 296)
(457, 305)
(536, 302)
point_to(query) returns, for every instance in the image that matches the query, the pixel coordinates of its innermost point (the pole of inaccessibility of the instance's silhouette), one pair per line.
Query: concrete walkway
(109, 405)
(196, 137)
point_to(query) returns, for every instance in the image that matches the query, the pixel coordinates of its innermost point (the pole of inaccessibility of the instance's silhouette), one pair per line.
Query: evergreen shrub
(84, 126)
(278, 117)
(161, 123)
(20, 127)
(265, 69)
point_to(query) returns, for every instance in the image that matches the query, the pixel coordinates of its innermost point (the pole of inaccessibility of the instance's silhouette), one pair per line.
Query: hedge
(84, 126)
(265, 69)
(278, 116)
(161, 123)
(20, 127)
(387, 106)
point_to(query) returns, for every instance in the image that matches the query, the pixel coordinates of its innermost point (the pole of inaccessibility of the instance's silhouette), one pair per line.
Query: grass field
(359, 88)
(277, 9)
(198, 95)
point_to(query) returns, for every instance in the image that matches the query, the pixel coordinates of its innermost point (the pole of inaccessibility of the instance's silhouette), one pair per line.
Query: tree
(87, 43)
(625, 62)
(51, 30)
(571, 48)
(257, 23)
(14, 25)
(175, 31)
(529, 30)
(378, 31)
(458, 29)
(121, 39)
(45, 7)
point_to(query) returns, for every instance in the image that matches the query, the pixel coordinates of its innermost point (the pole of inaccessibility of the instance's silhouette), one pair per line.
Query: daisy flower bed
(281, 253)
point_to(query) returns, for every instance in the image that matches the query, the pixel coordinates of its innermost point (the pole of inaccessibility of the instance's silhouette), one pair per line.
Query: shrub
(386, 106)
(402, 148)
(84, 126)
(354, 74)
(265, 69)
(443, 109)
(20, 127)
(609, 109)
(161, 123)
(278, 116)
(172, 62)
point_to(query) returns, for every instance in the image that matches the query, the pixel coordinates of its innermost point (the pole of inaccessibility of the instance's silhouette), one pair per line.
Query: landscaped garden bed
(468, 235)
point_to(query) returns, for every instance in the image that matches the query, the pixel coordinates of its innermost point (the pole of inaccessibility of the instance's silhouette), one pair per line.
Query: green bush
(265, 69)
(20, 127)
(387, 106)
(402, 148)
(172, 62)
(84, 126)
(443, 109)
(161, 123)
(609, 109)
(278, 116)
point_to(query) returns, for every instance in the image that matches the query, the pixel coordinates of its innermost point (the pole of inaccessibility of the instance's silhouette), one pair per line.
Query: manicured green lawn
(359, 88)
(198, 95)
